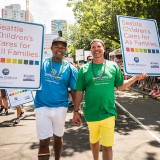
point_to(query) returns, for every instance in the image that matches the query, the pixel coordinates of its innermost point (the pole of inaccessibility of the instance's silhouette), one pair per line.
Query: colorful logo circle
(15, 98)
(136, 59)
(5, 71)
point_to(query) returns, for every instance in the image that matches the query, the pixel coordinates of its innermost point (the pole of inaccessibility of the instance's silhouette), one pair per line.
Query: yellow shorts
(102, 130)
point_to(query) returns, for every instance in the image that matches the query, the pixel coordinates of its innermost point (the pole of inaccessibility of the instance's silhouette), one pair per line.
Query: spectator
(89, 58)
(4, 101)
(20, 112)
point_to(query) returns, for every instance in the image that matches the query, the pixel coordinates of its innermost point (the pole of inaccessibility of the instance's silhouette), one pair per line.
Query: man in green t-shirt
(98, 79)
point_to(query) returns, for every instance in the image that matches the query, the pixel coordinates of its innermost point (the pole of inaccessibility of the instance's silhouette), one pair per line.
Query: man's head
(59, 40)
(89, 58)
(58, 47)
(97, 48)
(97, 40)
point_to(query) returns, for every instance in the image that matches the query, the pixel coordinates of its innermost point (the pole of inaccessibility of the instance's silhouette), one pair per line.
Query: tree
(97, 19)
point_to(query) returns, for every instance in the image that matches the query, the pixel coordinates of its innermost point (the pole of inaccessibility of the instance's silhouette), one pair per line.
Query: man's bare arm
(129, 82)
(78, 100)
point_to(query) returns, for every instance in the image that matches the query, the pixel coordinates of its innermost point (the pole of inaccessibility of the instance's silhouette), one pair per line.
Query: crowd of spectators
(150, 86)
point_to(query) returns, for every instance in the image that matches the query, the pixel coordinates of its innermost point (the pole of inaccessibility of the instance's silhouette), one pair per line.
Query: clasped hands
(77, 120)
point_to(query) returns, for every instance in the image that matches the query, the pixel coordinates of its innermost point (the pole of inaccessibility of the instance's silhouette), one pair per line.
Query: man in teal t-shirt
(51, 102)
(98, 79)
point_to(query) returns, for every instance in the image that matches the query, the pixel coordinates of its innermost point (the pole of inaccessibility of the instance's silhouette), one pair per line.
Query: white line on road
(134, 118)
(4, 148)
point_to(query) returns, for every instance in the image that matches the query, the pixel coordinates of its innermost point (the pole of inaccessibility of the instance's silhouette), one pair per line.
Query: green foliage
(97, 19)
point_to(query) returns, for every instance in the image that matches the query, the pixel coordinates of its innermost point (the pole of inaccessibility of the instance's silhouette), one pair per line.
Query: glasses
(60, 48)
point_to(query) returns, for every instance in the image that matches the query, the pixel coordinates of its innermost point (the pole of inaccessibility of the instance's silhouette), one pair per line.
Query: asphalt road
(137, 127)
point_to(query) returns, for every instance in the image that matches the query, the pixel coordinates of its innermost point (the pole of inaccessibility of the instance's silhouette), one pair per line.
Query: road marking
(134, 118)
(3, 148)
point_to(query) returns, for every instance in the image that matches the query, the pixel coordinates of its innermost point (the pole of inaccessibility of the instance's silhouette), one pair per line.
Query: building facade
(14, 12)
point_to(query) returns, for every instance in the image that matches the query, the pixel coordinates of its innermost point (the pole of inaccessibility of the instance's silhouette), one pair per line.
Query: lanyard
(99, 77)
(60, 71)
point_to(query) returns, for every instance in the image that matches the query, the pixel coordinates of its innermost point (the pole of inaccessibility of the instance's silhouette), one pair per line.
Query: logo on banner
(5, 71)
(154, 65)
(15, 98)
(28, 78)
(27, 97)
(136, 59)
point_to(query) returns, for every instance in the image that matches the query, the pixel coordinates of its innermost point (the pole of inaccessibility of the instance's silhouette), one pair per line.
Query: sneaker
(16, 121)
(1, 109)
(6, 112)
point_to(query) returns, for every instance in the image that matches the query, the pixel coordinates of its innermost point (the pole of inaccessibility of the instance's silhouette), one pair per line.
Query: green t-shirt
(99, 90)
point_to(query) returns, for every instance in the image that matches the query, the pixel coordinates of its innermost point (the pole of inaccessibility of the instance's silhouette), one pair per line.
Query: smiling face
(58, 50)
(97, 50)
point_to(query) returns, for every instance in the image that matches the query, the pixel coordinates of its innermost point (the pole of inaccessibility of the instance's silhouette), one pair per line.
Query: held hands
(77, 120)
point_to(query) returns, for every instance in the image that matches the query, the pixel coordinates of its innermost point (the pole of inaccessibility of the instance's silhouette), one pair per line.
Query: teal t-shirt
(54, 91)
(99, 89)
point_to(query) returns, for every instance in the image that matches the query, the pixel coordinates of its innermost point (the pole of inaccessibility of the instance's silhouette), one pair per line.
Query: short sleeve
(80, 84)
(73, 76)
(119, 79)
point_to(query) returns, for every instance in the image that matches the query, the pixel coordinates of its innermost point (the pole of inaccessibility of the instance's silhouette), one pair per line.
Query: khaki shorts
(102, 130)
(50, 121)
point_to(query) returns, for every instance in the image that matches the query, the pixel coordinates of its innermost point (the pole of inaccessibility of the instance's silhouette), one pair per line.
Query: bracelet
(76, 110)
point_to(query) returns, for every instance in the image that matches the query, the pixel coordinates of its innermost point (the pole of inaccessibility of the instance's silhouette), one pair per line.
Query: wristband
(76, 110)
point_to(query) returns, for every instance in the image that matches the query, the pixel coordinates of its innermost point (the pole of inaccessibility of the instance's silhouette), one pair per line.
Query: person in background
(1, 104)
(89, 58)
(20, 112)
(98, 80)
(51, 102)
(4, 102)
(79, 64)
(157, 93)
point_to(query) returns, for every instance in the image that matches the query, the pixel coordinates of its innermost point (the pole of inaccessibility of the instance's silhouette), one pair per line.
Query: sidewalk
(144, 91)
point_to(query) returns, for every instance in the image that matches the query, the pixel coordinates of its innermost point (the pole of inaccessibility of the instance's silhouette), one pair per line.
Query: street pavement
(132, 140)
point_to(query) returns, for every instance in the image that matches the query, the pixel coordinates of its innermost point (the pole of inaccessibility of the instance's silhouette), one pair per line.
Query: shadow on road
(76, 139)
